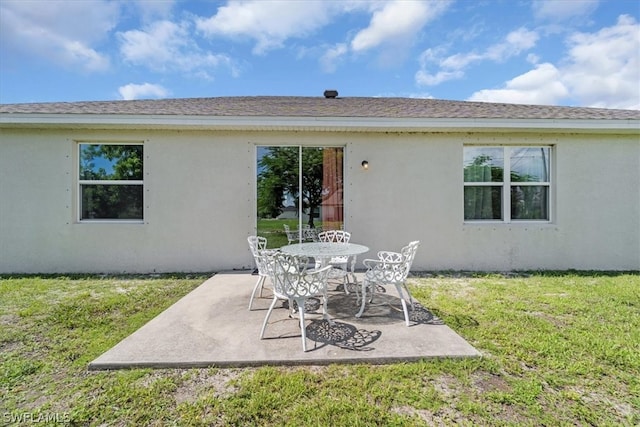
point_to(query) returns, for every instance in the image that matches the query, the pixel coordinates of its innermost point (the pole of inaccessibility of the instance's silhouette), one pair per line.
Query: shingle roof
(295, 106)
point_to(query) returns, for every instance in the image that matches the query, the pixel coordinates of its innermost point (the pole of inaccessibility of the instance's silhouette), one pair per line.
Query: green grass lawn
(559, 350)
(273, 230)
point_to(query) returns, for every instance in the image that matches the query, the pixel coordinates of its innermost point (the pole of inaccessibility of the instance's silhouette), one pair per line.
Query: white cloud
(603, 68)
(154, 10)
(423, 78)
(167, 46)
(145, 90)
(333, 56)
(60, 31)
(453, 66)
(600, 69)
(75, 52)
(533, 58)
(269, 23)
(397, 21)
(156, 45)
(554, 10)
(542, 86)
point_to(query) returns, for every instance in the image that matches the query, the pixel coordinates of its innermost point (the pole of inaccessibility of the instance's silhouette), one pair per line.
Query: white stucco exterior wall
(200, 202)
(198, 206)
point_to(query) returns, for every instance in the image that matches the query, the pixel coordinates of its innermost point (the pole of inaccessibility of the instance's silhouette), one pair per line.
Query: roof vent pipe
(330, 93)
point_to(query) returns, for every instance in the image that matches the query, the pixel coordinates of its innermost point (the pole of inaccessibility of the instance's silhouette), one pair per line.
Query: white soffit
(333, 124)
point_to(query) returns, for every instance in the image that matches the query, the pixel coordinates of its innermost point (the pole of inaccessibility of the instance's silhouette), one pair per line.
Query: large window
(507, 183)
(110, 181)
(300, 190)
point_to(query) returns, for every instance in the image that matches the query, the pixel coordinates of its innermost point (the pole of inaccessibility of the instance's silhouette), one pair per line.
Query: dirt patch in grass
(9, 319)
(441, 418)
(9, 346)
(218, 382)
(485, 382)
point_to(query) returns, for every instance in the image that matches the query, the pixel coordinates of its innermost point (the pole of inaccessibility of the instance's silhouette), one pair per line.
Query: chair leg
(325, 312)
(406, 313)
(266, 319)
(292, 309)
(350, 269)
(302, 328)
(262, 285)
(411, 301)
(259, 284)
(364, 297)
(353, 280)
(355, 283)
(372, 287)
(355, 287)
(345, 282)
(399, 287)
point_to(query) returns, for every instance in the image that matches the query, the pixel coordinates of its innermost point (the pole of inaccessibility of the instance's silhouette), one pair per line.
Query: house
(172, 184)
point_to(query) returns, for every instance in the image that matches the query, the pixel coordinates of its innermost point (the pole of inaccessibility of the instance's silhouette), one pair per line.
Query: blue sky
(552, 52)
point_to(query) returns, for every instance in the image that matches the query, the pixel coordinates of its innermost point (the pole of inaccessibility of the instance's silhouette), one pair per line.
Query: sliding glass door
(299, 192)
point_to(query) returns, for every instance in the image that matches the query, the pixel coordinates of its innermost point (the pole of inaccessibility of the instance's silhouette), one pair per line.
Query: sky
(548, 52)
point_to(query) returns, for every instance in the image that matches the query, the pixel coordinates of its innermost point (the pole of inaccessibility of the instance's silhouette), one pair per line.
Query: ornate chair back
(291, 279)
(335, 236)
(292, 235)
(257, 244)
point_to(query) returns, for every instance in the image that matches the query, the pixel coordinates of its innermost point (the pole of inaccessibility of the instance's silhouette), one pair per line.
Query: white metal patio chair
(391, 268)
(305, 234)
(340, 264)
(292, 235)
(310, 234)
(292, 282)
(261, 255)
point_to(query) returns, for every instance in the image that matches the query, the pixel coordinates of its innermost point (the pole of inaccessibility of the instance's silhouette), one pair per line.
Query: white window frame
(81, 182)
(507, 185)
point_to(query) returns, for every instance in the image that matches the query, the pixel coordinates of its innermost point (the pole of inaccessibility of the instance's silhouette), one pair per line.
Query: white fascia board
(361, 124)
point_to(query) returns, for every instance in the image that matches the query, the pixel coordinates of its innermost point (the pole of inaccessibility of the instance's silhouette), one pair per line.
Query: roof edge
(92, 121)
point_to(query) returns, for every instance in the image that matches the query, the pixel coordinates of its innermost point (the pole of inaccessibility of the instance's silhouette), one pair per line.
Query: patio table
(324, 251)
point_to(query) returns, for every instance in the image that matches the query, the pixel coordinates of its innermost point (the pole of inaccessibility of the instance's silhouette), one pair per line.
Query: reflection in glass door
(299, 192)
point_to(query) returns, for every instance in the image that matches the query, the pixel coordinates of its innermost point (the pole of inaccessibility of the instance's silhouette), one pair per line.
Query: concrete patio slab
(212, 326)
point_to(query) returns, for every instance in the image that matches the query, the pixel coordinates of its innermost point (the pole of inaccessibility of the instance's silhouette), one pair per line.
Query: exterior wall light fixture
(365, 165)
